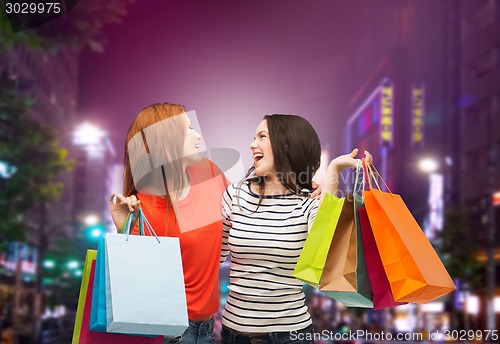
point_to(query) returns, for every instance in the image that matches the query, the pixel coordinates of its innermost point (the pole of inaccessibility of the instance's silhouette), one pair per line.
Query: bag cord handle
(356, 178)
(142, 221)
(368, 166)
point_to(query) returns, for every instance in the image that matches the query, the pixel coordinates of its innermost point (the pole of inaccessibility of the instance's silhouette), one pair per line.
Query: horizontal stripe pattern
(265, 244)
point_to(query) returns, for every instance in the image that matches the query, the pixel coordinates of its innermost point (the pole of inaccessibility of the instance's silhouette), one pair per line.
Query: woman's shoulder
(235, 186)
(203, 170)
(309, 203)
(151, 200)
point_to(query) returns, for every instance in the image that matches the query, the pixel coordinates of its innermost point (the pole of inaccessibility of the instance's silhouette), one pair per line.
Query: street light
(95, 141)
(72, 264)
(88, 135)
(91, 220)
(94, 149)
(430, 165)
(96, 232)
(7, 170)
(49, 264)
(434, 223)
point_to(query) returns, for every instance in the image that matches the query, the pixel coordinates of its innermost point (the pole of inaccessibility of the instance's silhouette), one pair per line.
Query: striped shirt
(265, 246)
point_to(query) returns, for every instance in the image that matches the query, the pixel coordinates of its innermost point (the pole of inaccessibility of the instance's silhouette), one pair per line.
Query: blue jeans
(305, 336)
(198, 332)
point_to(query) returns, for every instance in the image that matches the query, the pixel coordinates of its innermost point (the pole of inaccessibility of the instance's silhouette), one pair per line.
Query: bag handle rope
(142, 221)
(368, 166)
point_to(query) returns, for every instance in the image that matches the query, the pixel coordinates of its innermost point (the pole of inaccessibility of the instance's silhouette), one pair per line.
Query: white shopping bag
(144, 285)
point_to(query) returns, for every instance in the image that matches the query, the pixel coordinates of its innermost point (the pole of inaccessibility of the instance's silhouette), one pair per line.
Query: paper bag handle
(365, 173)
(356, 178)
(142, 221)
(369, 166)
(128, 222)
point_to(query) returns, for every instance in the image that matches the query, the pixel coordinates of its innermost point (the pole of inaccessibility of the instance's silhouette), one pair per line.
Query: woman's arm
(226, 223)
(336, 166)
(120, 206)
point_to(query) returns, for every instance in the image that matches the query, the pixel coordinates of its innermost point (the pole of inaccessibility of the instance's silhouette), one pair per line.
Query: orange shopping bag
(413, 268)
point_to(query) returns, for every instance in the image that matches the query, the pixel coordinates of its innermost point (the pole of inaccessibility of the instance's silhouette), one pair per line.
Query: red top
(198, 225)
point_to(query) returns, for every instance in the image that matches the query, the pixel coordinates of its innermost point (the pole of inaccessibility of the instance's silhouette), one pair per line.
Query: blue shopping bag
(98, 307)
(144, 295)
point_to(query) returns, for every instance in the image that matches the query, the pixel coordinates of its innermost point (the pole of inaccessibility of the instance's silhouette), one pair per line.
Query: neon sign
(418, 109)
(386, 110)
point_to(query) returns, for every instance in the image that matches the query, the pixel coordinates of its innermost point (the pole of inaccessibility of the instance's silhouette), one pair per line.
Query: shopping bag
(345, 277)
(91, 337)
(87, 268)
(98, 308)
(381, 289)
(97, 321)
(413, 268)
(144, 285)
(311, 262)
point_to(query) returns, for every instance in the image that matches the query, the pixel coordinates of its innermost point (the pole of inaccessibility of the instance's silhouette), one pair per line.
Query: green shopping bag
(84, 286)
(345, 277)
(311, 262)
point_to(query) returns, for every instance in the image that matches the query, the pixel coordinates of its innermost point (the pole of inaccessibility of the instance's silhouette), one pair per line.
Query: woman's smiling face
(263, 159)
(192, 139)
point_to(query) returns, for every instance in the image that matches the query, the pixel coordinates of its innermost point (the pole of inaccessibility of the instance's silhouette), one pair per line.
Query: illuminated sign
(22, 252)
(418, 111)
(371, 126)
(386, 111)
(496, 198)
(436, 206)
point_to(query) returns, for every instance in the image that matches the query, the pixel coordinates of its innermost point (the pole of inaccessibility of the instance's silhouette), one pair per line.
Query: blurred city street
(415, 82)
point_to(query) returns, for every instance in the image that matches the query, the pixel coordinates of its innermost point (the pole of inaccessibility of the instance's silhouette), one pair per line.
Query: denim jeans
(198, 332)
(305, 336)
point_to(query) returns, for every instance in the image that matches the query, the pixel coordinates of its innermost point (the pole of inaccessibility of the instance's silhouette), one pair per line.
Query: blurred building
(398, 91)
(93, 179)
(477, 62)
(114, 184)
(50, 79)
(479, 109)
(396, 81)
(427, 84)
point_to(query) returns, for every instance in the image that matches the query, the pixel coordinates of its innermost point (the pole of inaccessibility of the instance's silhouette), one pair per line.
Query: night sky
(231, 61)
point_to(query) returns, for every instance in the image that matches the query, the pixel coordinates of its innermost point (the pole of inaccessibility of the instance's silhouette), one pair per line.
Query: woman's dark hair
(296, 150)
